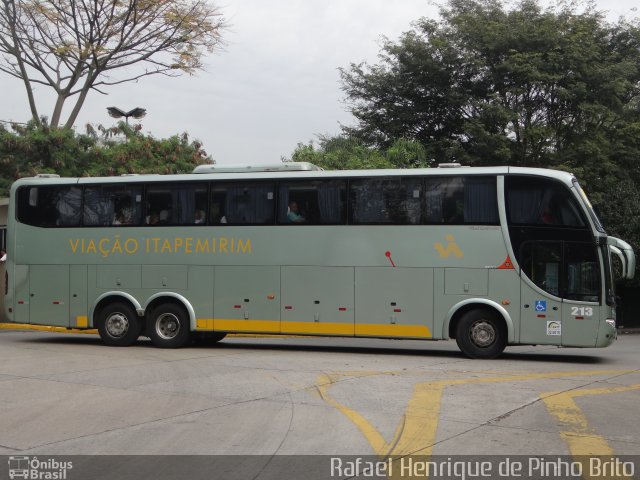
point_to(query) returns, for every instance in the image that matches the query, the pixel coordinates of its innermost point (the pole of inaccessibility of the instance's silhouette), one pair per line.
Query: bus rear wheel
(481, 334)
(119, 325)
(168, 326)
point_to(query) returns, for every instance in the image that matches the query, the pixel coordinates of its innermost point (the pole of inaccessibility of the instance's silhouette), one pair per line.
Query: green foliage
(492, 86)
(347, 153)
(31, 149)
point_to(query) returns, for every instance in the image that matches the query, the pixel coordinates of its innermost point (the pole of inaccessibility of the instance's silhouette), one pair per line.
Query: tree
(487, 85)
(32, 149)
(346, 153)
(75, 46)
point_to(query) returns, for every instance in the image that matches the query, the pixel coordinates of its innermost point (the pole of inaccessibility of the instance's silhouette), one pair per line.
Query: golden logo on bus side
(116, 245)
(452, 247)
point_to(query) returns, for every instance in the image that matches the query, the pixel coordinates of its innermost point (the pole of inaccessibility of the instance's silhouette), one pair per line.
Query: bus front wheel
(168, 326)
(119, 325)
(481, 334)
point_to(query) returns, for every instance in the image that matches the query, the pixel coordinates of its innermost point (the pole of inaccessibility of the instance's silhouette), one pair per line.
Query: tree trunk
(91, 76)
(57, 110)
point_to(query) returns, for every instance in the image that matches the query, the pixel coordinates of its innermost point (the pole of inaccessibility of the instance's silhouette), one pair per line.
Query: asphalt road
(64, 394)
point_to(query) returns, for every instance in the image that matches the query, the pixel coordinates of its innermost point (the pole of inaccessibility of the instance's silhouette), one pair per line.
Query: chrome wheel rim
(117, 325)
(482, 333)
(167, 326)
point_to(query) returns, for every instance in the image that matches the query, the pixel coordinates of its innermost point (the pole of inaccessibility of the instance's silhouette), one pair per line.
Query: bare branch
(74, 46)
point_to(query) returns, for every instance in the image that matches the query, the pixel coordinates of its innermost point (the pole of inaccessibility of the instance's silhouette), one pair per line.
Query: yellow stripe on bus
(318, 328)
(391, 330)
(271, 326)
(204, 324)
(266, 326)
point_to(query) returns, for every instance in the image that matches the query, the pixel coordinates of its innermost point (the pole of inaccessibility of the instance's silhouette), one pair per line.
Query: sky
(274, 84)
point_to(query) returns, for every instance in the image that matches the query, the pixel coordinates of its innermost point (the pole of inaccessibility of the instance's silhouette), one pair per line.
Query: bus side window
(112, 205)
(461, 201)
(533, 201)
(317, 202)
(68, 206)
(564, 269)
(184, 204)
(217, 214)
(49, 206)
(541, 262)
(582, 272)
(247, 203)
(390, 201)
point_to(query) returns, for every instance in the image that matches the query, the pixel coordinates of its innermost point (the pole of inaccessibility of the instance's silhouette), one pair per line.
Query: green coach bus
(490, 256)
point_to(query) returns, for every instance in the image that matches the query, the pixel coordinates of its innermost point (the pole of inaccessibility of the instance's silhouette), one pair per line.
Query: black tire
(481, 334)
(208, 338)
(119, 325)
(169, 326)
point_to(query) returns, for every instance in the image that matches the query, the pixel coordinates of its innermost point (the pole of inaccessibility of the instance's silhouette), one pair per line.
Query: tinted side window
(184, 204)
(386, 201)
(112, 205)
(315, 202)
(582, 272)
(564, 269)
(539, 201)
(461, 201)
(242, 203)
(49, 206)
(541, 262)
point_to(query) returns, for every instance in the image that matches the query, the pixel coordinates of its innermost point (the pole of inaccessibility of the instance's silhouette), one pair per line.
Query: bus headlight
(611, 321)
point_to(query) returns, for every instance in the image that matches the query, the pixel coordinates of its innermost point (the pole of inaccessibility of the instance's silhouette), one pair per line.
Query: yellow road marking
(583, 441)
(416, 432)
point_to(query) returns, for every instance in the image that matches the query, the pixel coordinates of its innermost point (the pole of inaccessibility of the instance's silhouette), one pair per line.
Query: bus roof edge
(275, 167)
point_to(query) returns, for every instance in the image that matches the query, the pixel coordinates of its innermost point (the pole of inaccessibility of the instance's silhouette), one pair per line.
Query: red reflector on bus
(56, 303)
(579, 318)
(542, 316)
(288, 307)
(237, 306)
(397, 310)
(20, 302)
(506, 265)
(342, 309)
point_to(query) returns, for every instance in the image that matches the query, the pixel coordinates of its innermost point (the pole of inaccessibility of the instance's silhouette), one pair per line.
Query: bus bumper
(607, 333)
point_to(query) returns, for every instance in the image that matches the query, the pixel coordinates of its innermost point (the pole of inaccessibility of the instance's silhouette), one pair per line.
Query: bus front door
(540, 317)
(581, 309)
(541, 307)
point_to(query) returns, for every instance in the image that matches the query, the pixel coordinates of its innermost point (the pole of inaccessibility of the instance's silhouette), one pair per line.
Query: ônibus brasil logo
(34, 469)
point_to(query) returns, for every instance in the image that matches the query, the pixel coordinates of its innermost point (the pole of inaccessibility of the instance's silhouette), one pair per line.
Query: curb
(628, 331)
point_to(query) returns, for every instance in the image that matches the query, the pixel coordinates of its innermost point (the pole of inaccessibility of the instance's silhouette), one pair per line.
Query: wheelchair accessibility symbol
(541, 305)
